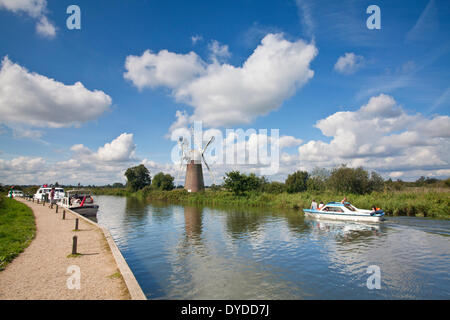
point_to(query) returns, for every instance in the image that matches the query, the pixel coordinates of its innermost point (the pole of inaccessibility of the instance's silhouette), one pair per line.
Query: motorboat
(43, 193)
(80, 201)
(344, 211)
(15, 193)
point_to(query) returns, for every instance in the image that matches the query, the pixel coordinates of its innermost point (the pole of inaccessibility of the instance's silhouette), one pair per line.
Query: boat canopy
(79, 192)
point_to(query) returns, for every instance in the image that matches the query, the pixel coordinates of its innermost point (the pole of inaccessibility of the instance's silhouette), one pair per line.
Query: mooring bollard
(76, 224)
(64, 214)
(74, 245)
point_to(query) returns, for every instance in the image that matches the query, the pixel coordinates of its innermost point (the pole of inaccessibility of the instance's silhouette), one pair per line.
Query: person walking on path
(52, 194)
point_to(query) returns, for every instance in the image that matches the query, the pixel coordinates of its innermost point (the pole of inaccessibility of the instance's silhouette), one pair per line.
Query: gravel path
(41, 271)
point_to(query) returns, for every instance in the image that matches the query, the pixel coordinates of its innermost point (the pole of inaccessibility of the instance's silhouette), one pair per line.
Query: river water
(189, 252)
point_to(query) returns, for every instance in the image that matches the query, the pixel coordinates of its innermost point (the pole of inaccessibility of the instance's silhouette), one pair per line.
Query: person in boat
(344, 200)
(321, 205)
(314, 205)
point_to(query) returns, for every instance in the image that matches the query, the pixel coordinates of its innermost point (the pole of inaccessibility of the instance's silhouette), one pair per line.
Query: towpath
(46, 271)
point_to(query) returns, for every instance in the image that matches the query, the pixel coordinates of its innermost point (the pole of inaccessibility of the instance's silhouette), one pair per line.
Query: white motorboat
(43, 193)
(344, 211)
(81, 202)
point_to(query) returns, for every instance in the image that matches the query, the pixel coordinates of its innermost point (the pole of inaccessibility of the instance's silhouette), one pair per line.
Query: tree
(138, 177)
(376, 182)
(297, 182)
(240, 183)
(163, 181)
(349, 180)
(317, 179)
(118, 185)
(274, 187)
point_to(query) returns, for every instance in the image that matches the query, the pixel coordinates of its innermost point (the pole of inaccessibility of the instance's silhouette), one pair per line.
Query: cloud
(426, 26)
(106, 165)
(120, 149)
(162, 69)
(305, 13)
(218, 51)
(222, 94)
(381, 136)
(196, 39)
(27, 134)
(33, 99)
(45, 28)
(35, 9)
(22, 165)
(349, 63)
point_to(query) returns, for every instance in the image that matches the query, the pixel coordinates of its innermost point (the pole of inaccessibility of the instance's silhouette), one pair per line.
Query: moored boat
(344, 211)
(80, 201)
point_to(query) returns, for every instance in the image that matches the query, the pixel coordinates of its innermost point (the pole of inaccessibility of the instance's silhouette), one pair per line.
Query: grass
(419, 202)
(17, 229)
(116, 275)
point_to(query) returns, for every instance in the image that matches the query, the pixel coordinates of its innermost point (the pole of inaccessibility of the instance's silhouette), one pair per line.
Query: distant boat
(344, 211)
(81, 202)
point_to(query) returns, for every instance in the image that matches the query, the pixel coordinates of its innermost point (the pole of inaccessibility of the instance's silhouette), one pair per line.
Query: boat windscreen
(350, 207)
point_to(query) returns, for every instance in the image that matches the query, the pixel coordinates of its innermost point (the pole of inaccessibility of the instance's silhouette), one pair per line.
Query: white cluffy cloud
(349, 63)
(106, 165)
(120, 149)
(35, 9)
(222, 94)
(382, 136)
(33, 99)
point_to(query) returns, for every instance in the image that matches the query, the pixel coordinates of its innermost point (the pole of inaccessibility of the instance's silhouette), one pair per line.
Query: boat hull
(87, 211)
(342, 216)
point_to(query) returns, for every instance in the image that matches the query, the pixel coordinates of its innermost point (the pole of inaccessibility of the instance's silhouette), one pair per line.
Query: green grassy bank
(17, 229)
(420, 202)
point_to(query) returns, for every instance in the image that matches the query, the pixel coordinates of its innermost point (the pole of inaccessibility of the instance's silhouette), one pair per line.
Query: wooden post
(56, 208)
(64, 214)
(74, 244)
(76, 224)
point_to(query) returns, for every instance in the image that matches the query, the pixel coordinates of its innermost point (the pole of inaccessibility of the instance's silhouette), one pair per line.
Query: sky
(83, 105)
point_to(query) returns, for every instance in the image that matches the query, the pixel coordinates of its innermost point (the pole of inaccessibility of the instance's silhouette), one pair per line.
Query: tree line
(341, 179)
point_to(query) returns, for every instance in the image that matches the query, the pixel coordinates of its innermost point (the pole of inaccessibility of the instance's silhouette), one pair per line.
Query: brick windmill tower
(194, 173)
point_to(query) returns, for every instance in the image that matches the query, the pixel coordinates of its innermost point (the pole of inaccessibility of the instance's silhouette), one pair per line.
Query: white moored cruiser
(81, 202)
(43, 193)
(344, 211)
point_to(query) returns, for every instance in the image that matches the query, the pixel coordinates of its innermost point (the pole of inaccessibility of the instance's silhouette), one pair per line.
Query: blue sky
(90, 134)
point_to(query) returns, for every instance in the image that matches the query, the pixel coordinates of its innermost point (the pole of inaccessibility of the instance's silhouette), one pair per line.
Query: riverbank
(418, 202)
(45, 268)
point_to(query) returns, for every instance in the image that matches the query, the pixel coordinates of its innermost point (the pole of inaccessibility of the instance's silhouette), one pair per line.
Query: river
(193, 252)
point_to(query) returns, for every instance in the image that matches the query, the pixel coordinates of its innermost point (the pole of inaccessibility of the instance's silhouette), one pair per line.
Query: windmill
(194, 174)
